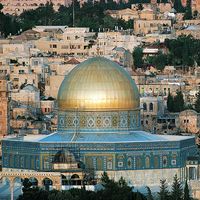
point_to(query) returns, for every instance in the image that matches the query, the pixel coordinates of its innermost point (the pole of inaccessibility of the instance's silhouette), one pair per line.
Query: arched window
(109, 163)
(144, 106)
(151, 107)
(138, 163)
(129, 162)
(89, 162)
(156, 162)
(47, 183)
(147, 162)
(99, 163)
(164, 161)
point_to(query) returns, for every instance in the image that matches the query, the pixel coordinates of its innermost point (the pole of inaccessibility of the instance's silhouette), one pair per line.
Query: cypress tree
(188, 11)
(186, 192)
(177, 190)
(163, 194)
(137, 57)
(170, 103)
(178, 102)
(178, 6)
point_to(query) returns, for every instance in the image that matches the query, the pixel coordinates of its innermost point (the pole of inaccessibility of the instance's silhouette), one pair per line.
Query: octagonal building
(99, 130)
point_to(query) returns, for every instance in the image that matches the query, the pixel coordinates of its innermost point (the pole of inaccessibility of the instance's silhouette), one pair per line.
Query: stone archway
(17, 186)
(65, 180)
(5, 185)
(55, 178)
(75, 179)
(47, 183)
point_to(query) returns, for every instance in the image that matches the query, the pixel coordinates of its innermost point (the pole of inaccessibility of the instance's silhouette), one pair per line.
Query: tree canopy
(183, 51)
(176, 103)
(138, 57)
(90, 15)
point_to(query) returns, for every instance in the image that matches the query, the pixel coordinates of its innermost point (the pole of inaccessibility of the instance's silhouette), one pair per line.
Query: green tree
(1, 6)
(170, 103)
(177, 190)
(149, 194)
(139, 196)
(179, 102)
(138, 57)
(163, 194)
(122, 182)
(178, 6)
(186, 192)
(160, 61)
(109, 22)
(188, 10)
(8, 24)
(197, 102)
(105, 179)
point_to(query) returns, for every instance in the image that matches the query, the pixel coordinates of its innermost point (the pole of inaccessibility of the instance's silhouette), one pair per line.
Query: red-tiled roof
(73, 61)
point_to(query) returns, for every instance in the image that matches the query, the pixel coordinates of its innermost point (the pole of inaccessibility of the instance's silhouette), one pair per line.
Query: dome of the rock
(98, 84)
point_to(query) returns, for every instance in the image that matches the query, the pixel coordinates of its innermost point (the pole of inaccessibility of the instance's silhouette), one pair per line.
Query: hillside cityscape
(99, 100)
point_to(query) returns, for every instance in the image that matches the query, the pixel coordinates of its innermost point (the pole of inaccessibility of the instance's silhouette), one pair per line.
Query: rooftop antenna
(73, 14)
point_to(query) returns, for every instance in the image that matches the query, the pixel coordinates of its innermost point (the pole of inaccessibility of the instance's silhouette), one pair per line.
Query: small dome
(98, 84)
(64, 156)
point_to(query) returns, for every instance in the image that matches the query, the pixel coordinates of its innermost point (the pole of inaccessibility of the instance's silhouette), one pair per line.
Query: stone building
(16, 7)
(193, 30)
(47, 105)
(151, 108)
(125, 14)
(74, 42)
(28, 95)
(150, 26)
(188, 121)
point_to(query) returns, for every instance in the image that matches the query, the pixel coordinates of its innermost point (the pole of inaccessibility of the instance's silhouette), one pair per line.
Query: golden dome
(98, 84)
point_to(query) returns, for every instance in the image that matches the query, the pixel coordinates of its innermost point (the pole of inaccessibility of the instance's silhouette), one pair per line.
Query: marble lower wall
(152, 177)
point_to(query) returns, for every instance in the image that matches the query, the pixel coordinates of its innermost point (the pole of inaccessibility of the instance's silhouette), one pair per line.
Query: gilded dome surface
(98, 84)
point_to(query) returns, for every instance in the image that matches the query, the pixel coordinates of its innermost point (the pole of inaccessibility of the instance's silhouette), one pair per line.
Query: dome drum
(100, 121)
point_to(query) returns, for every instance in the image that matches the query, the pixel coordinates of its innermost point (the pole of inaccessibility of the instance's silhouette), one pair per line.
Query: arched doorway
(48, 184)
(75, 179)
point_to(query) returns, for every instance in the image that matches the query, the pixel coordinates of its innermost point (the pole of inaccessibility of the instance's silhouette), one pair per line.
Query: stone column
(57, 184)
(40, 184)
(11, 189)
(196, 171)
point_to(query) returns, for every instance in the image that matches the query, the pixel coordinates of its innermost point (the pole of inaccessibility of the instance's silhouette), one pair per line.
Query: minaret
(4, 111)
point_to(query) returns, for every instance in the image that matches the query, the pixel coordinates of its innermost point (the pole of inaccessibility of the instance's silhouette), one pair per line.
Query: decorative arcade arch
(41, 179)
